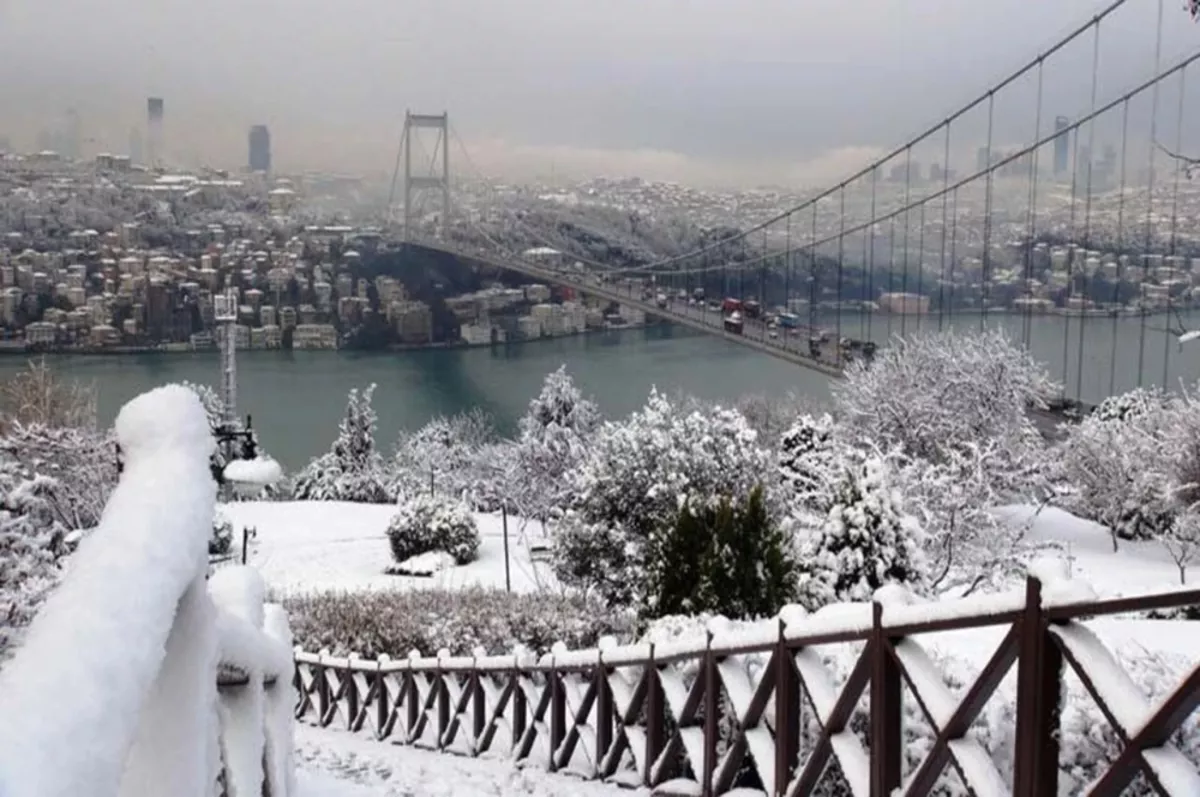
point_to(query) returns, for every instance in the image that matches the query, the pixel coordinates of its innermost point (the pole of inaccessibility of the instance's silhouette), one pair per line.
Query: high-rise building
(154, 131)
(260, 149)
(1062, 144)
(135, 145)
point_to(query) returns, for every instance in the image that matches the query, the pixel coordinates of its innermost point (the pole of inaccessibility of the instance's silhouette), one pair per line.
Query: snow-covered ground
(331, 545)
(1136, 568)
(316, 545)
(338, 764)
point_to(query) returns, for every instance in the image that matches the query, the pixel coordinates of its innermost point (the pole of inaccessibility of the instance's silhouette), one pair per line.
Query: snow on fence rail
(766, 711)
(123, 671)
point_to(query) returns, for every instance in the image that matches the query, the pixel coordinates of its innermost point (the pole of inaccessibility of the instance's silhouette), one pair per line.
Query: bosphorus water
(297, 398)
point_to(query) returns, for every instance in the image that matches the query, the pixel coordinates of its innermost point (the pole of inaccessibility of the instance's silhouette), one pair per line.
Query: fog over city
(703, 91)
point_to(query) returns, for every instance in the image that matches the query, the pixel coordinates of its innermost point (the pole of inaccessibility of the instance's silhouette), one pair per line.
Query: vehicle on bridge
(734, 323)
(661, 300)
(788, 320)
(731, 305)
(752, 309)
(698, 294)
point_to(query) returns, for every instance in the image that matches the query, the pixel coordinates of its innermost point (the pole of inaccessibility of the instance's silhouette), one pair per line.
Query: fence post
(711, 711)
(504, 525)
(517, 719)
(350, 690)
(1039, 698)
(787, 717)
(558, 712)
(604, 714)
(478, 707)
(383, 703)
(322, 690)
(443, 704)
(654, 718)
(887, 741)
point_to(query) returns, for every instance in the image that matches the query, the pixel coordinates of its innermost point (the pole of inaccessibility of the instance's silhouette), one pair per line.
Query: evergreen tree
(806, 452)
(862, 541)
(353, 469)
(728, 559)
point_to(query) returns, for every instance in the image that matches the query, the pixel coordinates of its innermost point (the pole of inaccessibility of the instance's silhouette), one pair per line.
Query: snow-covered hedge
(427, 523)
(395, 622)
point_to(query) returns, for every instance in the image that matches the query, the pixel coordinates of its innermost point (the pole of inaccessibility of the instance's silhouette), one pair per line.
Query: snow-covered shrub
(554, 437)
(221, 541)
(859, 538)
(731, 559)
(967, 543)
(441, 456)
(32, 541)
(352, 470)
(640, 471)
(395, 622)
(771, 416)
(942, 390)
(38, 396)
(596, 558)
(1119, 466)
(82, 463)
(434, 522)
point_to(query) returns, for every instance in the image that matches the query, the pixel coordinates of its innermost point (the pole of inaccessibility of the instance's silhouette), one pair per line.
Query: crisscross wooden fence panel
(765, 712)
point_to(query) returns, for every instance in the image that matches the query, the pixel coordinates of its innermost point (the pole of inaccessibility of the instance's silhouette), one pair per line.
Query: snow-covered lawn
(1136, 568)
(322, 545)
(339, 764)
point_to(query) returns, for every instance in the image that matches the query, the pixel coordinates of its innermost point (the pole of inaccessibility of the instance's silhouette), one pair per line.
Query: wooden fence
(768, 712)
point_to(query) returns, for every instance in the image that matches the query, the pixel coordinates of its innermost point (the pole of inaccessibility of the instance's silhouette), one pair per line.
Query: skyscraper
(154, 131)
(260, 149)
(1062, 144)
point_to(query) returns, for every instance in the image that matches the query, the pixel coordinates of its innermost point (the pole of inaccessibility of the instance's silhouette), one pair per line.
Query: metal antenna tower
(225, 309)
(428, 180)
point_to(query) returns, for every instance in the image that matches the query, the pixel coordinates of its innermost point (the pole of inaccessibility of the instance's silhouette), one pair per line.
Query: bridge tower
(428, 178)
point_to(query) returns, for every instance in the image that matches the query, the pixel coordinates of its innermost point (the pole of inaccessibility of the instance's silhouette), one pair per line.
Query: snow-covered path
(339, 764)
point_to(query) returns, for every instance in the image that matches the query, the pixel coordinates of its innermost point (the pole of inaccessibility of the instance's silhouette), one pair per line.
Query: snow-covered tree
(954, 500)
(807, 450)
(82, 463)
(352, 470)
(441, 455)
(554, 436)
(38, 396)
(943, 390)
(1182, 541)
(641, 470)
(1118, 465)
(732, 559)
(863, 541)
(32, 541)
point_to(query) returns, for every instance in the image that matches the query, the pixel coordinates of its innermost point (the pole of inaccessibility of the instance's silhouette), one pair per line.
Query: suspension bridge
(1075, 233)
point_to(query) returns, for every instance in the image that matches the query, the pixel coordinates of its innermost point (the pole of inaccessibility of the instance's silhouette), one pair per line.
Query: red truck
(731, 305)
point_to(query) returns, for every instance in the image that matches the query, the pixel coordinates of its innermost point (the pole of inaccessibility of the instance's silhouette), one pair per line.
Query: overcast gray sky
(698, 90)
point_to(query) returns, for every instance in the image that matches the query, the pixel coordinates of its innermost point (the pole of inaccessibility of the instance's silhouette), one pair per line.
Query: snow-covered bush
(441, 456)
(967, 543)
(1119, 466)
(554, 437)
(641, 470)
(428, 620)
(942, 390)
(38, 396)
(82, 463)
(859, 539)
(352, 470)
(32, 541)
(221, 541)
(596, 558)
(427, 523)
